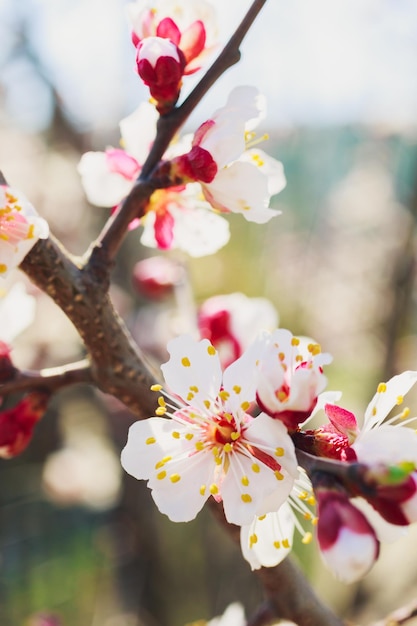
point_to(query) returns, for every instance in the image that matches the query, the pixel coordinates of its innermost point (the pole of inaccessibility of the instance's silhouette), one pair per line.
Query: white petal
(102, 187)
(387, 444)
(351, 556)
(267, 541)
(138, 131)
(383, 401)
(241, 188)
(272, 169)
(264, 432)
(181, 494)
(199, 232)
(239, 379)
(193, 367)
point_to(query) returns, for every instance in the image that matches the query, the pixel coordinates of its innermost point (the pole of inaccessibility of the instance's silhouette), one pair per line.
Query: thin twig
(49, 379)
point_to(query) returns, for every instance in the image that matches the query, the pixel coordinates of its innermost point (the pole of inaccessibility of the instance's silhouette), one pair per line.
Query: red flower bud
(17, 424)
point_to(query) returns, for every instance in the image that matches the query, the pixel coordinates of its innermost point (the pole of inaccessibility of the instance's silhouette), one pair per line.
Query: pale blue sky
(318, 61)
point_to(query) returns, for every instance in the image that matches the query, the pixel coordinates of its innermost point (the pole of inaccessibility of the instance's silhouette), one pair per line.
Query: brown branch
(117, 365)
(49, 379)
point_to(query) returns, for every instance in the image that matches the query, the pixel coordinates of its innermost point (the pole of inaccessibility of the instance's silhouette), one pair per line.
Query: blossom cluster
(232, 432)
(219, 169)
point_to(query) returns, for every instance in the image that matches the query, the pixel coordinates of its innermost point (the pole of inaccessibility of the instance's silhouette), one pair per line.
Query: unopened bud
(160, 64)
(156, 277)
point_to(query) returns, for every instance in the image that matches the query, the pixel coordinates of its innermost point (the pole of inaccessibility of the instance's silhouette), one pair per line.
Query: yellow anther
(234, 436)
(404, 413)
(245, 405)
(161, 401)
(175, 434)
(190, 396)
(295, 341)
(228, 417)
(228, 447)
(245, 497)
(307, 538)
(299, 358)
(281, 395)
(374, 410)
(224, 395)
(194, 388)
(279, 451)
(256, 468)
(400, 399)
(207, 404)
(31, 232)
(382, 387)
(285, 543)
(174, 478)
(278, 475)
(156, 387)
(277, 544)
(281, 356)
(3, 268)
(214, 490)
(202, 490)
(311, 500)
(218, 460)
(162, 462)
(185, 361)
(245, 481)
(160, 410)
(199, 445)
(189, 436)
(215, 451)
(211, 350)
(150, 440)
(237, 388)
(161, 475)
(252, 540)
(261, 517)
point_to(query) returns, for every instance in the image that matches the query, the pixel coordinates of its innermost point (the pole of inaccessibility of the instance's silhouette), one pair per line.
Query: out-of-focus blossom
(20, 228)
(189, 24)
(210, 445)
(17, 423)
(348, 543)
(160, 64)
(245, 177)
(17, 311)
(156, 277)
(290, 377)
(176, 217)
(85, 472)
(231, 322)
(45, 619)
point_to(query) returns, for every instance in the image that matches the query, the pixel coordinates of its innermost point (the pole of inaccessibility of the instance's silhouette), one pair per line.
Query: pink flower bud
(348, 543)
(160, 64)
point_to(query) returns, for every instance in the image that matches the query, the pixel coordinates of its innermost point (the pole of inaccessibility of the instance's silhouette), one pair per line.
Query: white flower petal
(388, 396)
(384, 531)
(102, 187)
(351, 556)
(272, 169)
(386, 444)
(193, 368)
(241, 188)
(138, 131)
(267, 541)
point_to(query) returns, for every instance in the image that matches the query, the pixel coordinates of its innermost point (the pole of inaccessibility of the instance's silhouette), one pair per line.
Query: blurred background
(81, 544)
